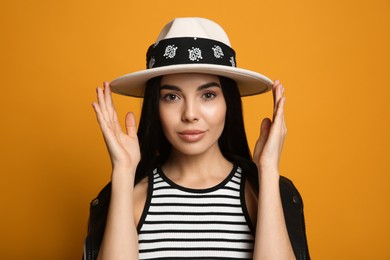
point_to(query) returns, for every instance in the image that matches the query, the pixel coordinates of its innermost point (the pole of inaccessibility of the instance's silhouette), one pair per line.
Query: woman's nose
(190, 112)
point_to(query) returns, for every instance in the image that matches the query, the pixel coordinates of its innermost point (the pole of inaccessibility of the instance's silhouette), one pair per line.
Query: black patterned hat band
(191, 45)
(189, 50)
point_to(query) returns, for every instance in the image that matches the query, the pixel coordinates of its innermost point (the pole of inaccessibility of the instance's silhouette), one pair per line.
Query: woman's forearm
(120, 239)
(272, 240)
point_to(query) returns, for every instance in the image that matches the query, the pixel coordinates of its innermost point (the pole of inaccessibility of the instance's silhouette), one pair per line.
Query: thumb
(264, 133)
(130, 125)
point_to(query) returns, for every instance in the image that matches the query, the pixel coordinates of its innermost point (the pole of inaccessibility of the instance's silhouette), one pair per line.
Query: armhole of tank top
(147, 202)
(244, 206)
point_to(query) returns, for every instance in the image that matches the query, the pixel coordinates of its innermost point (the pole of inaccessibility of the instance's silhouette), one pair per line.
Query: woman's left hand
(269, 145)
(272, 239)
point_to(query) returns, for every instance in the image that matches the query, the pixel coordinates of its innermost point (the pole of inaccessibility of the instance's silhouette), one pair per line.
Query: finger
(278, 94)
(283, 116)
(99, 116)
(275, 83)
(131, 128)
(111, 111)
(278, 129)
(275, 95)
(278, 125)
(117, 125)
(261, 141)
(108, 100)
(102, 103)
(280, 121)
(279, 113)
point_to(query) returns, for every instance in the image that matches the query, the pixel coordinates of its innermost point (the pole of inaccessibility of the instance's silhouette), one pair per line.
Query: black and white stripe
(182, 223)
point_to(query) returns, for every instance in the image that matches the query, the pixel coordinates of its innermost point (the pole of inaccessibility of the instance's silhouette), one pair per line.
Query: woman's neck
(197, 171)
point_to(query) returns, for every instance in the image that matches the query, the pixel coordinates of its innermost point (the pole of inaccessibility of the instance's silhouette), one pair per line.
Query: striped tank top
(182, 223)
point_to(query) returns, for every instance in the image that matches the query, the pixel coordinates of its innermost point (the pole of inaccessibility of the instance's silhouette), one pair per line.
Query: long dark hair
(155, 148)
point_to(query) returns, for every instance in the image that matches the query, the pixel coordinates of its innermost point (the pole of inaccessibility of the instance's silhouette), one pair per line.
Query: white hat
(191, 45)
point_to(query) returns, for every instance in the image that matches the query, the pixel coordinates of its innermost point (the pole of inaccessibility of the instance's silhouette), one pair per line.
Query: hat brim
(248, 82)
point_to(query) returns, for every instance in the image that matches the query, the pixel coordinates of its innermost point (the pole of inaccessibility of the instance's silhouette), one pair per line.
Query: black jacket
(292, 208)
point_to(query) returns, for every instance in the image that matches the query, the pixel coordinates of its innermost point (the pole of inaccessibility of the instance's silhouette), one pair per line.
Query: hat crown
(191, 45)
(194, 27)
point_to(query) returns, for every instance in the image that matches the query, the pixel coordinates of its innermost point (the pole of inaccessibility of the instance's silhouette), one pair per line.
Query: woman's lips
(191, 135)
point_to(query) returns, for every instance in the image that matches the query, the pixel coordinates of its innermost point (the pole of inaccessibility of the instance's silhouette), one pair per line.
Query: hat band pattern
(189, 50)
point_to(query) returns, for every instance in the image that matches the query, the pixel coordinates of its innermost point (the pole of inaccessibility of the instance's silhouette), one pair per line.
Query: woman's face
(192, 112)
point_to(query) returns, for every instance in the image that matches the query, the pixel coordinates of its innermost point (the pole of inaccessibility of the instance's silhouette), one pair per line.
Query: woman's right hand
(123, 147)
(120, 235)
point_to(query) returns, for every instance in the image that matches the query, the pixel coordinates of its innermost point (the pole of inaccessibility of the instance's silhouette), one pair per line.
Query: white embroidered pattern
(170, 51)
(151, 62)
(232, 61)
(195, 54)
(218, 53)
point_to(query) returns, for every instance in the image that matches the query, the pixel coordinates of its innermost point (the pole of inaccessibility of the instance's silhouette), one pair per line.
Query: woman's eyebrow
(208, 85)
(170, 87)
(200, 88)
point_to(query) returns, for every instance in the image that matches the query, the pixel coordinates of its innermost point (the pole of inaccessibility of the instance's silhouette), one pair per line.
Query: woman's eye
(209, 96)
(170, 97)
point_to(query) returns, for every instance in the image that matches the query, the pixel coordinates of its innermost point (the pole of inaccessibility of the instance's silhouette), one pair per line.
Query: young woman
(185, 186)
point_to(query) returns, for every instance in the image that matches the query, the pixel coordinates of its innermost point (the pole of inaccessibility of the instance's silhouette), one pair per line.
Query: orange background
(332, 57)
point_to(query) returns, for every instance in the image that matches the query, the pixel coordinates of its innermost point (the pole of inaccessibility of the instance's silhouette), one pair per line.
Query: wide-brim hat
(191, 45)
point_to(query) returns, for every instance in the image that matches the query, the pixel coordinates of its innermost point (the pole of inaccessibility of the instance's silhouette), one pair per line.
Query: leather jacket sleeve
(295, 220)
(97, 222)
(292, 208)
